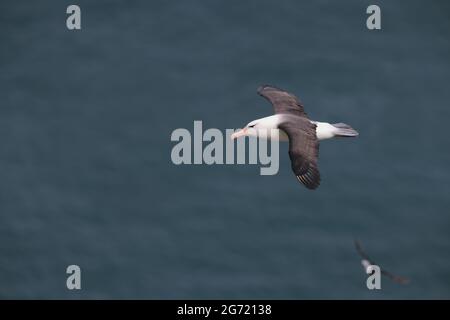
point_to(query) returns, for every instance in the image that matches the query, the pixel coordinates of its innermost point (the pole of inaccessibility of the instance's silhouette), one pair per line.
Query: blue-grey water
(86, 176)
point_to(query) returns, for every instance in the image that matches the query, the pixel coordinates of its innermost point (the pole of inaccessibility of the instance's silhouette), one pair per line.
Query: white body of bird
(267, 128)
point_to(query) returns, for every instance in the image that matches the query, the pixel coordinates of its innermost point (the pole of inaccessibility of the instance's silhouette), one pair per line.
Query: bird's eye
(251, 126)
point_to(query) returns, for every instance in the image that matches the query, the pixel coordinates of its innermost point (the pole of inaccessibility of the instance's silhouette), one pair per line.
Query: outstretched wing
(303, 150)
(361, 252)
(282, 101)
(395, 278)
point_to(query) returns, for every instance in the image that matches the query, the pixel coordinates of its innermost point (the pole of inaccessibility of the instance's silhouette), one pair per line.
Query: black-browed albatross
(303, 134)
(366, 262)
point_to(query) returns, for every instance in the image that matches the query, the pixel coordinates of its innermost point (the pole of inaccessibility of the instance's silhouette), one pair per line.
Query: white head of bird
(266, 128)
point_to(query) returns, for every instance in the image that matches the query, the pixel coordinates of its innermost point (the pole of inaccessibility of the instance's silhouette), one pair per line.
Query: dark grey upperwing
(303, 149)
(395, 278)
(361, 252)
(282, 101)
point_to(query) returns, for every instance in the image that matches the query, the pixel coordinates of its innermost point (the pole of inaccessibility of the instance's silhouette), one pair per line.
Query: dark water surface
(86, 176)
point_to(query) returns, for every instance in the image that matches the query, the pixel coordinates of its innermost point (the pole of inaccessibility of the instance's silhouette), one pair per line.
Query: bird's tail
(344, 130)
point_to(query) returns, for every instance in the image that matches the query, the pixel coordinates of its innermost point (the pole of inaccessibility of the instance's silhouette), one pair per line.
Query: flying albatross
(366, 262)
(293, 125)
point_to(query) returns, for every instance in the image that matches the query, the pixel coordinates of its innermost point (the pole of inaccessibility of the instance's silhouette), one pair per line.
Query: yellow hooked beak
(239, 133)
